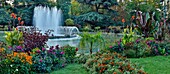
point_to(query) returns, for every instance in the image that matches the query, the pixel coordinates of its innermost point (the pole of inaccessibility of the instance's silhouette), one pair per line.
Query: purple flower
(156, 50)
(137, 41)
(19, 47)
(38, 51)
(53, 53)
(110, 46)
(118, 43)
(43, 49)
(40, 60)
(62, 52)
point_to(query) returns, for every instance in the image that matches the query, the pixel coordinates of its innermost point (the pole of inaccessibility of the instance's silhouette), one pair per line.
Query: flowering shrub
(34, 40)
(70, 53)
(44, 61)
(155, 47)
(14, 18)
(16, 63)
(111, 63)
(139, 48)
(81, 59)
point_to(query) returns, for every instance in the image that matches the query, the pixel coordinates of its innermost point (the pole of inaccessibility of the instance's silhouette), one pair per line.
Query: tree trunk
(91, 47)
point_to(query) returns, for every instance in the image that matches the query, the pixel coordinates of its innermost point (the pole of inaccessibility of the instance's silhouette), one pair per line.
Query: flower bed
(111, 63)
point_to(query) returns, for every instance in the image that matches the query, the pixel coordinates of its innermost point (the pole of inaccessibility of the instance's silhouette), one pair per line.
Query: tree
(100, 13)
(100, 4)
(89, 40)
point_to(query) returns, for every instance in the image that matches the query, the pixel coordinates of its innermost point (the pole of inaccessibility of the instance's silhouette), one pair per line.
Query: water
(46, 18)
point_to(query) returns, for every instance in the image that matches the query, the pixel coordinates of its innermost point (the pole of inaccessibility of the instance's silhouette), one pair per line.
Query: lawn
(152, 65)
(72, 69)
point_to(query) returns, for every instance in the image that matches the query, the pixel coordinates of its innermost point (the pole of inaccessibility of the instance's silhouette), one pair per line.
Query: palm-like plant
(146, 24)
(89, 40)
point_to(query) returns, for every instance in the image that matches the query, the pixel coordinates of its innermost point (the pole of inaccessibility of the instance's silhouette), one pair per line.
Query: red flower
(22, 22)
(19, 18)
(13, 15)
(77, 49)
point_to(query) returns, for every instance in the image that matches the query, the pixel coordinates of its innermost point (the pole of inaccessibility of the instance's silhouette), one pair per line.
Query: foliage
(33, 40)
(99, 4)
(128, 35)
(70, 53)
(93, 18)
(111, 63)
(91, 39)
(16, 63)
(143, 47)
(82, 58)
(146, 27)
(47, 60)
(75, 8)
(14, 38)
(5, 16)
(140, 5)
(69, 22)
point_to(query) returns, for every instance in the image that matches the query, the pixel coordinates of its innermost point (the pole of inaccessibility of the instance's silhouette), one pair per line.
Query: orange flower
(19, 18)
(123, 20)
(15, 54)
(29, 59)
(133, 17)
(114, 73)
(17, 29)
(13, 15)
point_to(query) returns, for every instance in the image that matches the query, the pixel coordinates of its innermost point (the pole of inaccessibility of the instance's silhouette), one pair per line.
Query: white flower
(16, 70)
(11, 65)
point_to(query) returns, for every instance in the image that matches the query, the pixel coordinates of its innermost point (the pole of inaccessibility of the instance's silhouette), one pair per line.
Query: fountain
(50, 19)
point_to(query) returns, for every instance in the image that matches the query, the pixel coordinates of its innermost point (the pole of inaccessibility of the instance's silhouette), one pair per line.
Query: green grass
(154, 65)
(71, 69)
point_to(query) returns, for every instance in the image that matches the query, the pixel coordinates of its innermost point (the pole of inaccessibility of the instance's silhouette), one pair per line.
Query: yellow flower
(2, 49)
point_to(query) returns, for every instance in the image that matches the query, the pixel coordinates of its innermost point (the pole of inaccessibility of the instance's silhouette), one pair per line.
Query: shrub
(140, 48)
(44, 61)
(69, 22)
(14, 38)
(82, 58)
(16, 63)
(111, 63)
(34, 40)
(70, 53)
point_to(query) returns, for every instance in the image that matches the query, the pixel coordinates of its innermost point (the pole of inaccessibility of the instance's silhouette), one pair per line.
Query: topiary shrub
(69, 22)
(111, 63)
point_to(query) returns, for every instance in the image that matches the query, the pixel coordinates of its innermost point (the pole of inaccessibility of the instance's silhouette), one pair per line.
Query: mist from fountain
(46, 18)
